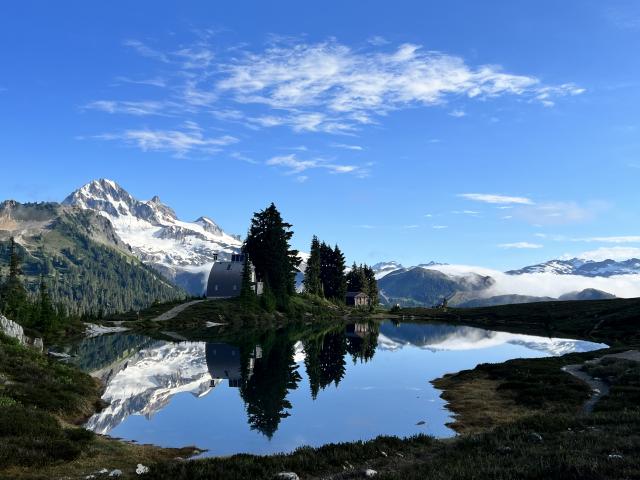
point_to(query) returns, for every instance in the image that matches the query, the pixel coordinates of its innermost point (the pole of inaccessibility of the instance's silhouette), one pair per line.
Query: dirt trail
(598, 387)
(175, 311)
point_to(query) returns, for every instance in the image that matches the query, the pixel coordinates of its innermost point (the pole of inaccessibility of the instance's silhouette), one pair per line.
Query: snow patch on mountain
(584, 267)
(384, 268)
(182, 251)
(145, 383)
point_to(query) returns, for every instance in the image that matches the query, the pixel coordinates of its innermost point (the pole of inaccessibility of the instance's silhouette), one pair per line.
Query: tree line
(276, 264)
(32, 311)
(325, 275)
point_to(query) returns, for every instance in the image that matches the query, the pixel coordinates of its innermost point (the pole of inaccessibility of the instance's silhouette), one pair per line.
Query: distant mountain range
(585, 268)
(426, 285)
(182, 251)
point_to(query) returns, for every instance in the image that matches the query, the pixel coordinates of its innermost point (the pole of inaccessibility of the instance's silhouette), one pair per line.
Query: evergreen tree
(268, 247)
(312, 280)
(14, 302)
(339, 281)
(247, 287)
(46, 317)
(372, 285)
(356, 279)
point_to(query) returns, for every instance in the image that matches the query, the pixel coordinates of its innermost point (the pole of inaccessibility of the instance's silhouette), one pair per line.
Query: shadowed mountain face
(421, 286)
(88, 267)
(182, 251)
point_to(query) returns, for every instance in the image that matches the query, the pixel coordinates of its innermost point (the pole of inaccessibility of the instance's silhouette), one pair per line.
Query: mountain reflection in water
(278, 375)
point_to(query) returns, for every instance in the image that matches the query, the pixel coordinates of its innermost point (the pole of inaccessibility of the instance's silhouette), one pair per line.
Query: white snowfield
(154, 232)
(145, 383)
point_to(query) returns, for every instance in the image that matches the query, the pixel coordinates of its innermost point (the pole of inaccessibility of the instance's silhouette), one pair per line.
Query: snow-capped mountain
(383, 268)
(583, 267)
(453, 338)
(182, 251)
(145, 383)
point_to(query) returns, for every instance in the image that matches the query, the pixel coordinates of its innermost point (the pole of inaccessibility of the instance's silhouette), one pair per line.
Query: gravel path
(598, 387)
(175, 311)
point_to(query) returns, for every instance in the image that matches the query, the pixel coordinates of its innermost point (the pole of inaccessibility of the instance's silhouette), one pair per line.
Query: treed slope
(87, 267)
(420, 286)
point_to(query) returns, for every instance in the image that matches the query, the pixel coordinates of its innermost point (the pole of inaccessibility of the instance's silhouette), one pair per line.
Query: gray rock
(370, 473)
(115, 473)
(287, 476)
(536, 437)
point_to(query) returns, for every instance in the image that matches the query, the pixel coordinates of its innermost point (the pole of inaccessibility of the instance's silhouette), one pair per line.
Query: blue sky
(497, 133)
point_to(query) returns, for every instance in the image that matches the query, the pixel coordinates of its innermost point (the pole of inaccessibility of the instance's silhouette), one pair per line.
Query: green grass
(611, 321)
(35, 395)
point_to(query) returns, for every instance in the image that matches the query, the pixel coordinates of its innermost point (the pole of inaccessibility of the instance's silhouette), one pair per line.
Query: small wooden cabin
(358, 299)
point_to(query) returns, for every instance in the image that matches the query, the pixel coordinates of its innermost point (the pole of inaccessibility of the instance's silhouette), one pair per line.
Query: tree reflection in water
(269, 370)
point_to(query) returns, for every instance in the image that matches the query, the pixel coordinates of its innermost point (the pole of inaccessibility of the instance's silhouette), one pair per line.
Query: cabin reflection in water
(224, 361)
(359, 330)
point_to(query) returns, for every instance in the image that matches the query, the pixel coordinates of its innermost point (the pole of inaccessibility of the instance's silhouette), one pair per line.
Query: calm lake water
(266, 392)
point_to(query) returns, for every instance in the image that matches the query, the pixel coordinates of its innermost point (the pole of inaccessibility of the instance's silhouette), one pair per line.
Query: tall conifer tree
(312, 280)
(268, 247)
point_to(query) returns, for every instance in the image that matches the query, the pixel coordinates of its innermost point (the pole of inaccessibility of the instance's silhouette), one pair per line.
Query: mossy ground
(41, 402)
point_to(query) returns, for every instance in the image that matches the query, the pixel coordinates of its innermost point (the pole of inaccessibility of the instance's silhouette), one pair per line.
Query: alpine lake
(273, 391)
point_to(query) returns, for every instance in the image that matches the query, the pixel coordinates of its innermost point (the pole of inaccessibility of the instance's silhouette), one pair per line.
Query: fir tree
(372, 285)
(268, 247)
(247, 286)
(312, 280)
(46, 314)
(356, 279)
(14, 295)
(339, 281)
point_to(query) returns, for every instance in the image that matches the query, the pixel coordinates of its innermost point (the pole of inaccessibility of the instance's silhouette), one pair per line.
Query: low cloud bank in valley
(547, 284)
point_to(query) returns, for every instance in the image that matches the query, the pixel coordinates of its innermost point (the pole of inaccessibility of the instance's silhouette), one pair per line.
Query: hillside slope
(88, 268)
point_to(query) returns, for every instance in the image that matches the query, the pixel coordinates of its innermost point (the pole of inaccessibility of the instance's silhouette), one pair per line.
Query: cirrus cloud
(496, 199)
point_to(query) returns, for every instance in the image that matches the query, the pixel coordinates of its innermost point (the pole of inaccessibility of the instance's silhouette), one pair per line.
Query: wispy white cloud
(179, 142)
(521, 245)
(378, 40)
(294, 165)
(146, 51)
(153, 81)
(496, 199)
(346, 146)
(243, 158)
(141, 108)
(607, 253)
(559, 213)
(618, 239)
(439, 227)
(352, 87)
(473, 213)
(457, 113)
